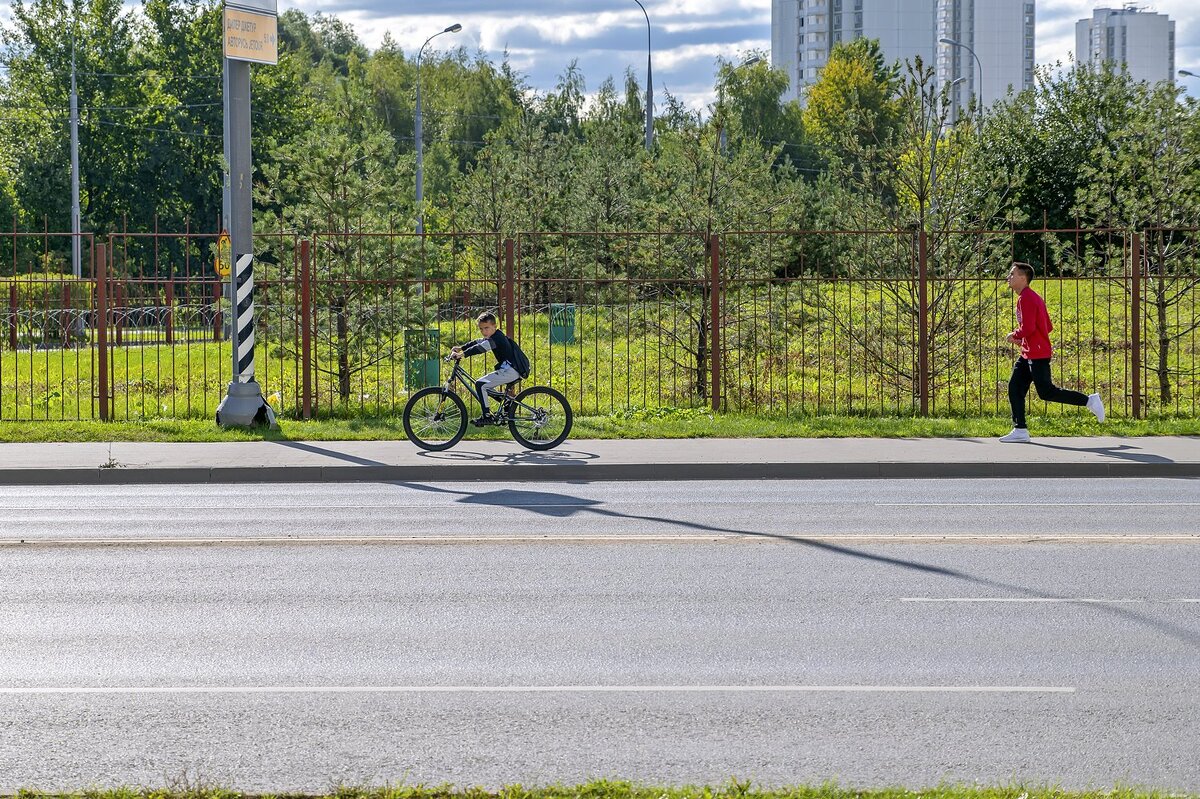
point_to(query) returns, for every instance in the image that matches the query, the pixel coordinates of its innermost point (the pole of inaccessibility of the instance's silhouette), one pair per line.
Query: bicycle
(435, 418)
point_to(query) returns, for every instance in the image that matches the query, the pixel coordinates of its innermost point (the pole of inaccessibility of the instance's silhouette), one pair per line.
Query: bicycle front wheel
(540, 418)
(435, 419)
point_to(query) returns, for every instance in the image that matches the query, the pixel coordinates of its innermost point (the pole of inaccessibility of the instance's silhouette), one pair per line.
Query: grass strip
(651, 423)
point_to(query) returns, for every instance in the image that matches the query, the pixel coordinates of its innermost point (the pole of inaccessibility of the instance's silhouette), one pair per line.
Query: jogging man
(1033, 334)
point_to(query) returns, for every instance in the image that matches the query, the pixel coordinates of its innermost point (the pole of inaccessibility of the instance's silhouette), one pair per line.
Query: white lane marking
(9, 540)
(1037, 504)
(537, 689)
(1045, 600)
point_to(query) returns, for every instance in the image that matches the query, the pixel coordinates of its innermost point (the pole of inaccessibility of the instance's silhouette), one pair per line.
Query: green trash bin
(562, 323)
(422, 358)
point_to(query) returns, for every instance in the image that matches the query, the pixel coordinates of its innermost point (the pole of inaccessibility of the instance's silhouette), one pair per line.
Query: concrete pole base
(244, 406)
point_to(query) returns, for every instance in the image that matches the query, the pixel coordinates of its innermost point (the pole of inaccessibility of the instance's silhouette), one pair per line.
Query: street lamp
(1187, 74)
(649, 84)
(954, 43)
(937, 134)
(455, 28)
(721, 97)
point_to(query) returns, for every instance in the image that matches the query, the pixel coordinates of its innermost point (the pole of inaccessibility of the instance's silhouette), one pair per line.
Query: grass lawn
(653, 423)
(845, 351)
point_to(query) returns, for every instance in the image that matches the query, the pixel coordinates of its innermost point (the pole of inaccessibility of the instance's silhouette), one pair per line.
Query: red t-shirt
(1033, 326)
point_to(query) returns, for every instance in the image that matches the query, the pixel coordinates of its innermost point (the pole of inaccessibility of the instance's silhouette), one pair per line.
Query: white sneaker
(1019, 435)
(1096, 406)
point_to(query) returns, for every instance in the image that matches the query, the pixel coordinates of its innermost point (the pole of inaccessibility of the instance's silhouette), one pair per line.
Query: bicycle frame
(461, 375)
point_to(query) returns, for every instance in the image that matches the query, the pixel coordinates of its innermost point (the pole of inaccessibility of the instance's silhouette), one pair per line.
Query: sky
(607, 37)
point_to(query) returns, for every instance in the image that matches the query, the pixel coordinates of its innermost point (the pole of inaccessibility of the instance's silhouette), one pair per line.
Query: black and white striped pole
(249, 36)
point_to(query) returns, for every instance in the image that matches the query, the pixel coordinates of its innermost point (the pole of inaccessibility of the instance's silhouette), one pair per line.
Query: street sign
(251, 36)
(264, 6)
(224, 254)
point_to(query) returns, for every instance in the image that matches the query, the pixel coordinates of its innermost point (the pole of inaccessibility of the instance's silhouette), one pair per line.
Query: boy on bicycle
(511, 363)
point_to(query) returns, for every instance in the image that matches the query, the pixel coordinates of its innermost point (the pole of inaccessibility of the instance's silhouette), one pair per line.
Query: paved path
(827, 458)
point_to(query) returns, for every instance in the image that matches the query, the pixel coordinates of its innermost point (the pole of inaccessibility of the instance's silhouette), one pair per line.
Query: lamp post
(721, 97)
(954, 43)
(937, 134)
(649, 84)
(1187, 74)
(455, 28)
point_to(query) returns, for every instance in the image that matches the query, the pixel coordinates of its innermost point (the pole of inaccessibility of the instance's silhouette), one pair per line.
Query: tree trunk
(702, 350)
(343, 347)
(1164, 340)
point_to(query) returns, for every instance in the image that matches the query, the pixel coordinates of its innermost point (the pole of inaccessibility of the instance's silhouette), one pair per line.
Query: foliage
(855, 97)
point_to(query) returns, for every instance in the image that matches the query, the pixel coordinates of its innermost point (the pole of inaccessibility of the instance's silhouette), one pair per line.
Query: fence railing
(775, 322)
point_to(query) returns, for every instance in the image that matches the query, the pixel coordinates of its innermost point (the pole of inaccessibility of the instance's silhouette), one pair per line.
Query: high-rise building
(999, 31)
(1141, 40)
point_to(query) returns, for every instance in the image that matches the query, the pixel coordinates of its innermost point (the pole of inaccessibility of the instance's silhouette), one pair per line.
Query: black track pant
(1036, 372)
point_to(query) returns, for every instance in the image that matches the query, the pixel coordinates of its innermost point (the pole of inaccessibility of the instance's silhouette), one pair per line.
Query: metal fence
(774, 322)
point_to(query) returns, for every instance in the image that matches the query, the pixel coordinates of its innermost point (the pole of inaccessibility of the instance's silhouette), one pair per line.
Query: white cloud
(689, 35)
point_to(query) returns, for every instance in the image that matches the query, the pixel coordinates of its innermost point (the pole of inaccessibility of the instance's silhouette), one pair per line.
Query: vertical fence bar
(171, 311)
(509, 292)
(923, 320)
(305, 332)
(12, 310)
(1135, 322)
(102, 329)
(714, 250)
(120, 305)
(218, 317)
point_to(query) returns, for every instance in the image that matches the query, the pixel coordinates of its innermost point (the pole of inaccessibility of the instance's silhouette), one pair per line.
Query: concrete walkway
(676, 459)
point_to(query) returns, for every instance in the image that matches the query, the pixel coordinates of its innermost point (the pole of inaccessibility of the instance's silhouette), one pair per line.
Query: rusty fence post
(923, 321)
(1135, 322)
(509, 293)
(306, 387)
(102, 329)
(714, 252)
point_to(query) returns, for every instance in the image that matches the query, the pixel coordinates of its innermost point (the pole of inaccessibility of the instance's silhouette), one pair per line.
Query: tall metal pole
(244, 403)
(978, 89)
(237, 209)
(419, 133)
(76, 220)
(649, 84)
(721, 98)
(420, 137)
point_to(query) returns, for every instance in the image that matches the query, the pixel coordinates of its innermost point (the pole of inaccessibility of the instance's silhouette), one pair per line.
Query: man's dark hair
(1024, 269)
(486, 316)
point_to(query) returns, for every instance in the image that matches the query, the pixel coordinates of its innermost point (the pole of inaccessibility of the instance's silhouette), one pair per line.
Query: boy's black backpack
(520, 360)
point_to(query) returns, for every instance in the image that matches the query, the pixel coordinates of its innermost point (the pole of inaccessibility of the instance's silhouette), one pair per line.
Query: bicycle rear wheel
(540, 418)
(435, 419)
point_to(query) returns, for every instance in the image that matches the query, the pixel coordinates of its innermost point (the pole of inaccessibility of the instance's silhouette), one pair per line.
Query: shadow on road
(559, 505)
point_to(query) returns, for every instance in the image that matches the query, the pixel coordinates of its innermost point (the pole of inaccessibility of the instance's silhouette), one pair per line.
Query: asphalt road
(297, 637)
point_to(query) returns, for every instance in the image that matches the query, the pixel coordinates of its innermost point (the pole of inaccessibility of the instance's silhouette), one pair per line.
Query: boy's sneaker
(1096, 406)
(484, 420)
(1019, 435)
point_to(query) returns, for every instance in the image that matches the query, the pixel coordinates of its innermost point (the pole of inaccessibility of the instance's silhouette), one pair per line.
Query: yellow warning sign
(251, 37)
(224, 254)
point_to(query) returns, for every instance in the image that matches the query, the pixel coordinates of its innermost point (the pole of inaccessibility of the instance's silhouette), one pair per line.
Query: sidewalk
(675, 459)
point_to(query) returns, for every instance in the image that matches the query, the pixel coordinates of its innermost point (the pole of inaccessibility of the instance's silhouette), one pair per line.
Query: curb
(592, 472)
